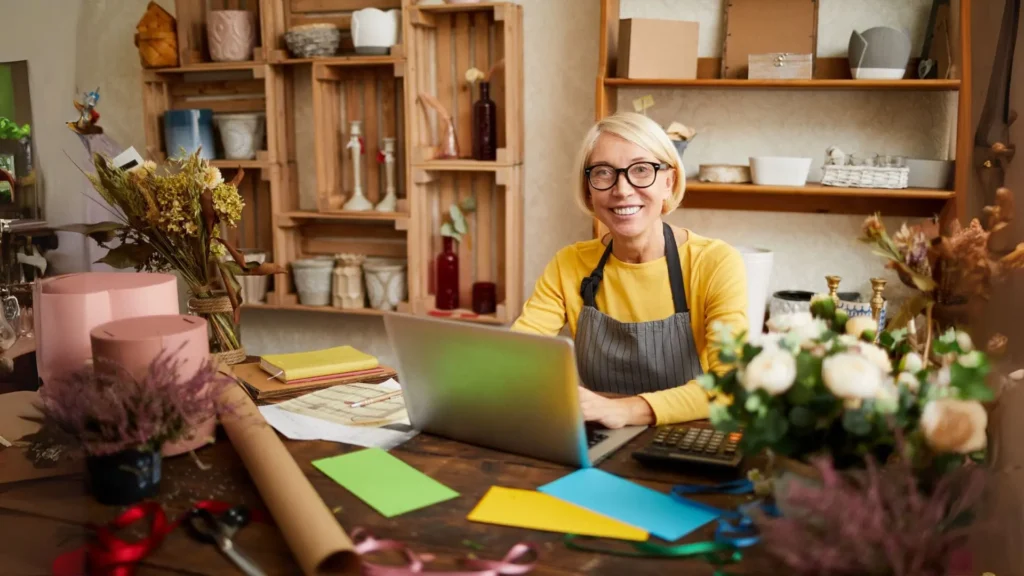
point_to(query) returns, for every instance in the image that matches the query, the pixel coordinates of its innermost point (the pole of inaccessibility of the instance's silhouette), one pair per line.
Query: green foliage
(9, 130)
(455, 224)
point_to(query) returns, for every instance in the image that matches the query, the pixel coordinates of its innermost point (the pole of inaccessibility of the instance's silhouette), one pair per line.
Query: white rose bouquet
(821, 383)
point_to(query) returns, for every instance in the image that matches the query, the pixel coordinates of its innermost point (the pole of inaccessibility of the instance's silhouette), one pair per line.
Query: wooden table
(40, 519)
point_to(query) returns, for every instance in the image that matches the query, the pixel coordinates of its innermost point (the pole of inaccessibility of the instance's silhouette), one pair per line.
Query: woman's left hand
(614, 412)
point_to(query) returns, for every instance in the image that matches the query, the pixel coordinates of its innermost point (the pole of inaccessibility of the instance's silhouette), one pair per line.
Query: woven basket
(864, 176)
(158, 49)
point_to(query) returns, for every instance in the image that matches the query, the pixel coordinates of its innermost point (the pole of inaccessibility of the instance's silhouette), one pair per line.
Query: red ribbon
(108, 555)
(513, 562)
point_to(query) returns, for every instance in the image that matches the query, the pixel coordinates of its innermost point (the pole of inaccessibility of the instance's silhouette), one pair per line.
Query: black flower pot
(124, 477)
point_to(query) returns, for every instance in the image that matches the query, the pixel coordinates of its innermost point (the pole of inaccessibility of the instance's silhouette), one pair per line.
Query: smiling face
(627, 211)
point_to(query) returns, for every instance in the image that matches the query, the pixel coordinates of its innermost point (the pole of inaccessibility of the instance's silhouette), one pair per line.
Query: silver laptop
(491, 387)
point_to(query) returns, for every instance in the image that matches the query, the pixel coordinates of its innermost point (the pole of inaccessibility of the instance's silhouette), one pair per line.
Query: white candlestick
(358, 201)
(390, 200)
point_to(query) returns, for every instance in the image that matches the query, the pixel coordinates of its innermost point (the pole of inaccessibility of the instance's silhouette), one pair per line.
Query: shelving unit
(437, 46)
(830, 74)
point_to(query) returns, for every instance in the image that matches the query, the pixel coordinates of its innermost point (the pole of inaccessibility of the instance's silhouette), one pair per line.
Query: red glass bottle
(447, 292)
(485, 125)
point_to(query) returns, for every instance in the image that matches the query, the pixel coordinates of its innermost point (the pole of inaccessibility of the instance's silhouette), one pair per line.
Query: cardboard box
(651, 48)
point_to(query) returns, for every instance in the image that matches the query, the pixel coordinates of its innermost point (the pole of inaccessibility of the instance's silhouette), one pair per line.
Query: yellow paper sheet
(539, 511)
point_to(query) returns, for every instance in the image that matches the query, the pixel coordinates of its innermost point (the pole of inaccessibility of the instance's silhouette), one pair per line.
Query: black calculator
(682, 444)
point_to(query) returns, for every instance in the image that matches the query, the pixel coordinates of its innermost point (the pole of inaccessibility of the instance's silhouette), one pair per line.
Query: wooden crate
(259, 89)
(443, 42)
(374, 96)
(494, 252)
(336, 12)
(191, 16)
(255, 230)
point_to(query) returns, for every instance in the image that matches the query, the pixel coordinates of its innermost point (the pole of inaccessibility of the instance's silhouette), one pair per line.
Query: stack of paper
(262, 386)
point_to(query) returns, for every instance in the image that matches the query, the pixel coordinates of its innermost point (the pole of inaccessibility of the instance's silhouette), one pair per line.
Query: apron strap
(588, 288)
(590, 284)
(675, 271)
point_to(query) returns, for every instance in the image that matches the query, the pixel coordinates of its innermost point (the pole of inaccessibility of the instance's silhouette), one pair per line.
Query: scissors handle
(242, 560)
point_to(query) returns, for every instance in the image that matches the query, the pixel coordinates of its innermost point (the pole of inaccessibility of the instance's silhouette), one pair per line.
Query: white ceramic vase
(348, 289)
(375, 31)
(240, 134)
(231, 35)
(313, 280)
(385, 282)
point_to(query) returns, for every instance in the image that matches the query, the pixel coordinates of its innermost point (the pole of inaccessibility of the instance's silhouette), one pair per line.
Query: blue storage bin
(189, 129)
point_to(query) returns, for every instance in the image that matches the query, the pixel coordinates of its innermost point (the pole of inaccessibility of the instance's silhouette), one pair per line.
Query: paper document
(389, 485)
(325, 415)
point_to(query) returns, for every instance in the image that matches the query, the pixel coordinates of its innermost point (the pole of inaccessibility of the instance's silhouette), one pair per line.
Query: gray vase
(879, 53)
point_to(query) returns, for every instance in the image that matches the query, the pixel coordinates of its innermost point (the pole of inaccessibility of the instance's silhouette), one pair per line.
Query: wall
(43, 33)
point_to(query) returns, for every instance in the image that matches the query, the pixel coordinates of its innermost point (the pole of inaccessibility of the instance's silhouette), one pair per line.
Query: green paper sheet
(385, 483)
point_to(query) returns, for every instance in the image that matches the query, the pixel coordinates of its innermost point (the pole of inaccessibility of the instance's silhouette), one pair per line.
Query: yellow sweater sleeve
(723, 296)
(544, 312)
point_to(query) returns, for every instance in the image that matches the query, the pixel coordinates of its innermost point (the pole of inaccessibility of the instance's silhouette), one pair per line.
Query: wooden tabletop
(42, 518)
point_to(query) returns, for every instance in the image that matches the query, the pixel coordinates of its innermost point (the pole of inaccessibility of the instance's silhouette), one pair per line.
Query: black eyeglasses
(638, 174)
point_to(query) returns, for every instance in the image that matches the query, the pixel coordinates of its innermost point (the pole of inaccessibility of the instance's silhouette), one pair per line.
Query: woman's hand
(614, 412)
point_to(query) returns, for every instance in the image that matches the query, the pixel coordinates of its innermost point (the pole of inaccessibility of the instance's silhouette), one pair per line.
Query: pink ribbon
(513, 562)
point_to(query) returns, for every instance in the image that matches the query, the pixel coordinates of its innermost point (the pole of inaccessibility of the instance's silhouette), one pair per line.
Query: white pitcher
(375, 31)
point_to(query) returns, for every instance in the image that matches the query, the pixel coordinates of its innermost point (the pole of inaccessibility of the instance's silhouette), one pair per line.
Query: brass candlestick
(877, 301)
(833, 287)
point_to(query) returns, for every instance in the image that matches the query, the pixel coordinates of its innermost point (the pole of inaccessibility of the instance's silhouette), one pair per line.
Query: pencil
(376, 399)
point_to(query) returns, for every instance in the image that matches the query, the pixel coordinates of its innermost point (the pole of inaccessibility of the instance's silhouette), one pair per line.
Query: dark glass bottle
(485, 125)
(447, 293)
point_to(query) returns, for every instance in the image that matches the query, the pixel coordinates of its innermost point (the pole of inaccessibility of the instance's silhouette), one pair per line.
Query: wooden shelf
(453, 8)
(354, 60)
(247, 164)
(211, 67)
(821, 84)
(328, 309)
(460, 165)
(346, 215)
(814, 189)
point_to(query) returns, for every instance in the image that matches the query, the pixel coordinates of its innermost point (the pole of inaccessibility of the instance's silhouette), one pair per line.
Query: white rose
(787, 322)
(772, 370)
(878, 356)
(912, 362)
(970, 360)
(858, 324)
(765, 340)
(809, 331)
(963, 340)
(942, 378)
(888, 398)
(851, 375)
(909, 380)
(952, 425)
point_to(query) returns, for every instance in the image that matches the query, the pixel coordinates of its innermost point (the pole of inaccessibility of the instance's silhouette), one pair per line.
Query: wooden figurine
(87, 114)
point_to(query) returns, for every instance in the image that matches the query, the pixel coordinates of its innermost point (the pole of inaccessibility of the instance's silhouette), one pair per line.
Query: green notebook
(385, 483)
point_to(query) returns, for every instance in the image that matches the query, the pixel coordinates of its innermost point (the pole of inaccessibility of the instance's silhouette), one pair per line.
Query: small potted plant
(121, 422)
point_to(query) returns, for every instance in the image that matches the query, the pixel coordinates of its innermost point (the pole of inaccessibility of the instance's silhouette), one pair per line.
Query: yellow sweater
(716, 290)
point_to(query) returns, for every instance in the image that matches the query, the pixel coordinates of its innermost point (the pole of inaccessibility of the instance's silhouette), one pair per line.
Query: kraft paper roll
(309, 527)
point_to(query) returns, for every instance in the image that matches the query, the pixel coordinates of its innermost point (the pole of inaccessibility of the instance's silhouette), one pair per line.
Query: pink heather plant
(873, 522)
(107, 410)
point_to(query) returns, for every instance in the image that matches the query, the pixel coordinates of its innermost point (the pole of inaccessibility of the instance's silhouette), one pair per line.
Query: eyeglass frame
(625, 171)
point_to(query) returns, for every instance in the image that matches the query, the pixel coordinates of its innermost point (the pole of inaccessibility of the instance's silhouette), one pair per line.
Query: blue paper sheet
(662, 515)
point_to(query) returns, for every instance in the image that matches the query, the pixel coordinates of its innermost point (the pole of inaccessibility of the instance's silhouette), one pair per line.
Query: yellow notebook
(317, 363)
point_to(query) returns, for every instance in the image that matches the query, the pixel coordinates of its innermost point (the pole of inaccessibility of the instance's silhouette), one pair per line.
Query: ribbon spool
(217, 305)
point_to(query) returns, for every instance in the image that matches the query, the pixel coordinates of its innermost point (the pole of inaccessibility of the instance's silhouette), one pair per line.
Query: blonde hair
(643, 132)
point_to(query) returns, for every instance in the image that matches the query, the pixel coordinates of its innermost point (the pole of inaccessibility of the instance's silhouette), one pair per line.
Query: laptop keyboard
(594, 437)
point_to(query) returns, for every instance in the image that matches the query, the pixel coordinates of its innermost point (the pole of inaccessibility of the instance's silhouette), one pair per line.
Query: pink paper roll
(67, 307)
(133, 343)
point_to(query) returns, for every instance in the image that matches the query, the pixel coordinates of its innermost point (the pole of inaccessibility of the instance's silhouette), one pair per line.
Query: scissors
(209, 529)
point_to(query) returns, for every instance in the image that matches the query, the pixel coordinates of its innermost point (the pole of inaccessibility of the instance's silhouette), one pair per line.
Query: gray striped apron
(634, 357)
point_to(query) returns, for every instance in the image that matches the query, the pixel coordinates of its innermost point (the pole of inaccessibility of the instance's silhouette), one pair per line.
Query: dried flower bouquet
(170, 219)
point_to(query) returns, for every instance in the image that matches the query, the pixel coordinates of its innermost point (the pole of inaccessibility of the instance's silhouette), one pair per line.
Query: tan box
(780, 66)
(651, 48)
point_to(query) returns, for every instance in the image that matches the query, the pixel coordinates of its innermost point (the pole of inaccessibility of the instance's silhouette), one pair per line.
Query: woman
(640, 301)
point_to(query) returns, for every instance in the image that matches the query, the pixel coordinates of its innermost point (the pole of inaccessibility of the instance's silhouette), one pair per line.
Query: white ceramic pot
(231, 35)
(375, 31)
(240, 134)
(349, 291)
(758, 263)
(254, 288)
(779, 170)
(385, 282)
(313, 280)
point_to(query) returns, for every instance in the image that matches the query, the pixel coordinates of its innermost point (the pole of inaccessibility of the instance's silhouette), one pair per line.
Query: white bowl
(779, 170)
